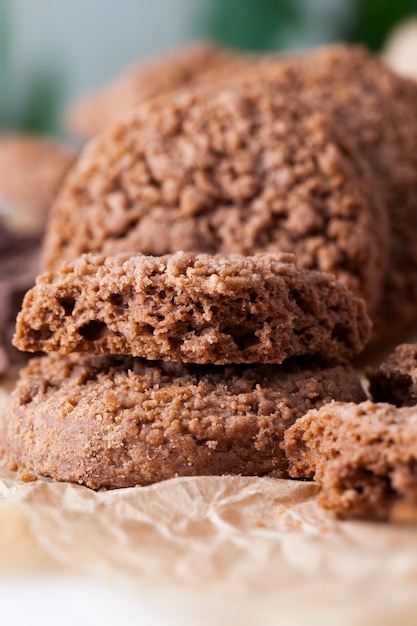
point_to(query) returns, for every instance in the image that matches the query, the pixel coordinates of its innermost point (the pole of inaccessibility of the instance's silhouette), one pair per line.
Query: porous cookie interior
(192, 308)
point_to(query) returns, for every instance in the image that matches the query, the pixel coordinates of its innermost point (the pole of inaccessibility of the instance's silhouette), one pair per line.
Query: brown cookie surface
(119, 421)
(31, 172)
(242, 170)
(364, 456)
(196, 64)
(194, 308)
(395, 380)
(378, 109)
(19, 263)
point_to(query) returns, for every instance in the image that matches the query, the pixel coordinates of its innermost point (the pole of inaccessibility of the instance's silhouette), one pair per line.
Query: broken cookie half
(192, 308)
(363, 455)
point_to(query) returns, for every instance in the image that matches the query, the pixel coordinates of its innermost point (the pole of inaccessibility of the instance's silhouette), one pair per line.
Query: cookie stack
(252, 327)
(183, 338)
(373, 114)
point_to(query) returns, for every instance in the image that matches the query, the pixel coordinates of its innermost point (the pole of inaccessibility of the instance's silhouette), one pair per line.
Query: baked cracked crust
(120, 421)
(364, 456)
(377, 108)
(194, 308)
(244, 170)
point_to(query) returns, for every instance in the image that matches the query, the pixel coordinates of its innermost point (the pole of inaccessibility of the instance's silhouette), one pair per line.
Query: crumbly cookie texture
(120, 421)
(201, 63)
(378, 109)
(395, 380)
(363, 455)
(31, 172)
(193, 308)
(240, 170)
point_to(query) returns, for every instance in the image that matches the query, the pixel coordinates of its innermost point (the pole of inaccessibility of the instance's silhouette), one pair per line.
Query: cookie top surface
(31, 172)
(195, 64)
(193, 308)
(395, 380)
(243, 170)
(364, 456)
(378, 109)
(120, 421)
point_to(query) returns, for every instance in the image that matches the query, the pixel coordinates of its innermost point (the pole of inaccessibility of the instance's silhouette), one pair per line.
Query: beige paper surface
(253, 549)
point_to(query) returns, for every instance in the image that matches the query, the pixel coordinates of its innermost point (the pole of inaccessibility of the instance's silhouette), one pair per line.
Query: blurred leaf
(4, 31)
(40, 106)
(375, 18)
(250, 24)
(267, 24)
(4, 53)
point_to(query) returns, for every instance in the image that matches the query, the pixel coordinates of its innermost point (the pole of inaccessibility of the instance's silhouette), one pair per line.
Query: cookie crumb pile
(211, 262)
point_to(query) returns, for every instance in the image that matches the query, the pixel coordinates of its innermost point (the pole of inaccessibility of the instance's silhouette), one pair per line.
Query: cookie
(120, 421)
(395, 380)
(364, 456)
(31, 172)
(195, 64)
(193, 308)
(19, 264)
(243, 170)
(378, 109)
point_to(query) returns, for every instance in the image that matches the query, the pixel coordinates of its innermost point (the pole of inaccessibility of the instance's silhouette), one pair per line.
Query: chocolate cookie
(378, 109)
(242, 170)
(196, 64)
(395, 380)
(31, 172)
(193, 308)
(364, 456)
(19, 261)
(119, 421)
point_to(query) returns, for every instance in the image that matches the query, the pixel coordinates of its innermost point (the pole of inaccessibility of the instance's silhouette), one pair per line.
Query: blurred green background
(52, 51)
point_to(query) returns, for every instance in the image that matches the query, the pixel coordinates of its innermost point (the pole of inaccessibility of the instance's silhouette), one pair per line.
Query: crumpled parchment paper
(254, 549)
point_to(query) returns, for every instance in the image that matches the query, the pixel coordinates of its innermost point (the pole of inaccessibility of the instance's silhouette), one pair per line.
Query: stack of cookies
(242, 341)
(211, 261)
(372, 112)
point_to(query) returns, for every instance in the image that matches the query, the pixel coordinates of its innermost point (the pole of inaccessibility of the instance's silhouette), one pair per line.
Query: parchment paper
(256, 550)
